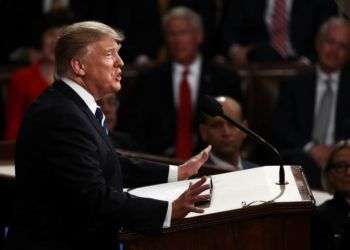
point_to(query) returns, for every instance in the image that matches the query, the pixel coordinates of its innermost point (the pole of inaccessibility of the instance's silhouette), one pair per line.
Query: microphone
(213, 108)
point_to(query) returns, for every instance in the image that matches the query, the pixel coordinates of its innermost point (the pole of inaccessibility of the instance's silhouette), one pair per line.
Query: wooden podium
(247, 211)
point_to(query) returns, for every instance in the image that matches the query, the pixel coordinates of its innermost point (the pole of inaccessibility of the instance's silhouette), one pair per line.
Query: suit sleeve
(82, 189)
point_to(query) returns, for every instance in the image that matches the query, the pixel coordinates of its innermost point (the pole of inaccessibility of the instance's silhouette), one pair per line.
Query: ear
(77, 67)
(203, 132)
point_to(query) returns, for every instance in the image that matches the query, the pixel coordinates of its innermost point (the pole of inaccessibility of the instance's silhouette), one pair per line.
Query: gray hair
(76, 37)
(333, 21)
(181, 12)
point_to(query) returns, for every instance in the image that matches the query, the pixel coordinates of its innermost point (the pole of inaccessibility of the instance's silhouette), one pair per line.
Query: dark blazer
(70, 179)
(294, 117)
(330, 225)
(244, 23)
(155, 114)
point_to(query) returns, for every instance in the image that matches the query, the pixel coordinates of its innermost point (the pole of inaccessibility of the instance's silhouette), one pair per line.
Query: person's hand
(185, 202)
(320, 153)
(192, 166)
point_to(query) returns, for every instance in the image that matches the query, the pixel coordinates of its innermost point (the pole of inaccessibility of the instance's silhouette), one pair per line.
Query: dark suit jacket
(293, 122)
(330, 227)
(244, 23)
(155, 114)
(70, 179)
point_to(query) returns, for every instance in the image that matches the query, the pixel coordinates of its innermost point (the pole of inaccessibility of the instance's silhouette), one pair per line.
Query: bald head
(230, 107)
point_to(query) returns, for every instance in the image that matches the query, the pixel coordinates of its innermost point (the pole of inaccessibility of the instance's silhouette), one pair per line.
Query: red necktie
(279, 32)
(184, 140)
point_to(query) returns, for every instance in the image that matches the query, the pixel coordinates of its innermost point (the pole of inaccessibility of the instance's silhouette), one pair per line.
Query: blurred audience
(167, 95)
(27, 83)
(225, 139)
(211, 12)
(331, 222)
(109, 106)
(313, 110)
(274, 30)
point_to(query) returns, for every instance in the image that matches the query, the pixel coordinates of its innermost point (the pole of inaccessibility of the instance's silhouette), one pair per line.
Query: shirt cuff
(173, 173)
(308, 146)
(167, 220)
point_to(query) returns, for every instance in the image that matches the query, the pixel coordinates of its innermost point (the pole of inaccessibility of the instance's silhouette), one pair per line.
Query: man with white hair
(313, 110)
(69, 178)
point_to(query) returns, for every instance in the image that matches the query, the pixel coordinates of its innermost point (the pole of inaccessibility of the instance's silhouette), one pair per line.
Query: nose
(119, 61)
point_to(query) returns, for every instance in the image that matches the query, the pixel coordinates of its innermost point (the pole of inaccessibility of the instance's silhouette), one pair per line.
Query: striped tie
(279, 29)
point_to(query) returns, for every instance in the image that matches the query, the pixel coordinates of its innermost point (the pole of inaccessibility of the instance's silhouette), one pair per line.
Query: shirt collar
(334, 76)
(83, 93)
(224, 164)
(193, 67)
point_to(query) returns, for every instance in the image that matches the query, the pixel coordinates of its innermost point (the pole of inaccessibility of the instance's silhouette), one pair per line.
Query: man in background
(225, 139)
(313, 108)
(167, 96)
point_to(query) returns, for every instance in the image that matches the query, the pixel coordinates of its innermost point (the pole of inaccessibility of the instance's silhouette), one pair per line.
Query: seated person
(331, 223)
(225, 139)
(27, 83)
(109, 106)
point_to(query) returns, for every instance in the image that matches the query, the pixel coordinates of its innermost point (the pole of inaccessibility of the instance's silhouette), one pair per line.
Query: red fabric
(25, 86)
(279, 34)
(184, 138)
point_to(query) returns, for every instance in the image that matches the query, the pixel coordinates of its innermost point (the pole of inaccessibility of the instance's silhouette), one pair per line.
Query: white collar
(221, 164)
(83, 93)
(193, 67)
(334, 76)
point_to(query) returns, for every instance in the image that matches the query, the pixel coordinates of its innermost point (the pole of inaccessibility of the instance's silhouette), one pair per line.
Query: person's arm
(78, 183)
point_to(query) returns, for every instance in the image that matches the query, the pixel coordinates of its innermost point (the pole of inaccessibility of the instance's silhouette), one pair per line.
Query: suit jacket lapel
(72, 95)
(308, 107)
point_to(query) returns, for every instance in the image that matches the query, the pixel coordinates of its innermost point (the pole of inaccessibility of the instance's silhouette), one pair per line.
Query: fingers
(199, 198)
(195, 209)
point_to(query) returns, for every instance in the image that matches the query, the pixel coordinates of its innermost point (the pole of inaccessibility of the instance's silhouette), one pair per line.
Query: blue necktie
(101, 119)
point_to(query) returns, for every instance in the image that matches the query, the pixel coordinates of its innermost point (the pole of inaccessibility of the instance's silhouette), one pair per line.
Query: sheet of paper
(233, 190)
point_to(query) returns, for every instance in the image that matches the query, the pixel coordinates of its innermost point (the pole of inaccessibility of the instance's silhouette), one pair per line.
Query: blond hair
(76, 37)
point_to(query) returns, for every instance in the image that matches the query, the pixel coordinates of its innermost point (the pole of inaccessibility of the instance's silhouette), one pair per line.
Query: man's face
(102, 67)
(333, 48)
(226, 140)
(183, 40)
(340, 173)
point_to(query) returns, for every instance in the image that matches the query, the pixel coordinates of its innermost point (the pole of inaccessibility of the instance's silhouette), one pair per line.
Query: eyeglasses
(339, 167)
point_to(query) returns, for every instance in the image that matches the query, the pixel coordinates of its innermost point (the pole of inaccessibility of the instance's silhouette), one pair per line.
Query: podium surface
(248, 210)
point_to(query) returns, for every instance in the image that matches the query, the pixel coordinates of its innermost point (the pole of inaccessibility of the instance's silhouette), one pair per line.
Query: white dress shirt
(193, 79)
(224, 165)
(321, 87)
(92, 105)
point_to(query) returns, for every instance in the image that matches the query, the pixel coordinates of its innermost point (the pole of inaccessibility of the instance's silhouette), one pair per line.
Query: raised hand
(192, 166)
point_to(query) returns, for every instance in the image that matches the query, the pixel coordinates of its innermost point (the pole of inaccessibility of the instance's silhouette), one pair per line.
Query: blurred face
(101, 67)
(333, 48)
(226, 140)
(49, 41)
(340, 171)
(183, 40)
(109, 106)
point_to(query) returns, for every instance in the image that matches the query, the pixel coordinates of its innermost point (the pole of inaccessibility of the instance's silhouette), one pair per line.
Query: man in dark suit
(274, 30)
(159, 120)
(225, 139)
(69, 178)
(313, 110)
